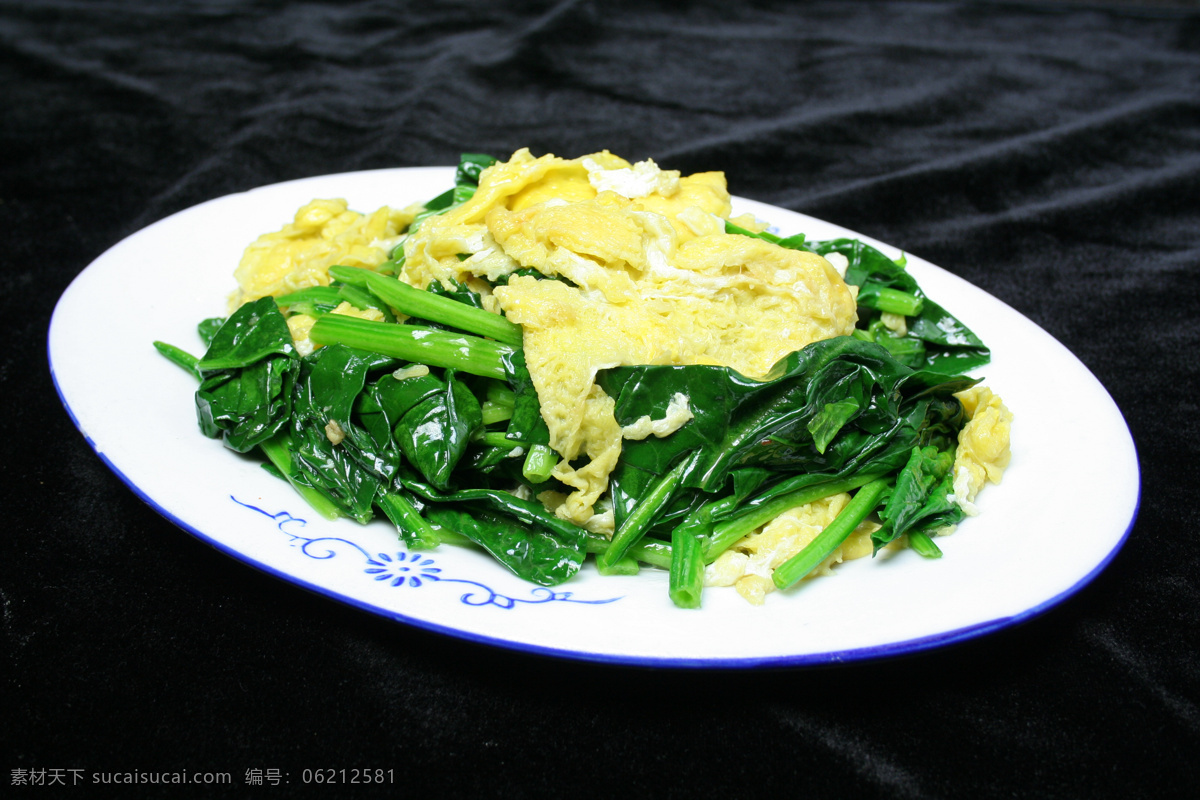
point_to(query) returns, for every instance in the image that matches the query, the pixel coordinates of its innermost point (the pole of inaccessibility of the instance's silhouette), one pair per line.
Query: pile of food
(558, 358)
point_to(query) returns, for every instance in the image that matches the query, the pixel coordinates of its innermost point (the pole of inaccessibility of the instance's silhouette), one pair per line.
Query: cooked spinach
(426, 421)
(838, 408)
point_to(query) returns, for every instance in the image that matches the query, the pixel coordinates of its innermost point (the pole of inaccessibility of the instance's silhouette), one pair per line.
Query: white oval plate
(1066, 504)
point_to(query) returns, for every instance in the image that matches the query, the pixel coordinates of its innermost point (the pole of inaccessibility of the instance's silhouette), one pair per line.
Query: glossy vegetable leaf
(950, 347)
(435, 432)
(250, 334)
(470, 167)
(334, 471)
(639, 391)
(378, 410)
(208, 328)
(526, 512)
(922, 497)
(532, 542)
(325, 397)
(713, 393)
(393, 397)
(530, 553)
(526, 424)
(457, 291)
(246, 376)
(246, 406)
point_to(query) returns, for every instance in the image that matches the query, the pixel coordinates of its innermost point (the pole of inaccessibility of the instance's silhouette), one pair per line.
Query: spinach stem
(896, 302)
(350, 276)
(276, 450)
(654, 553)
(686, 581)
(651, 551)
(415, 531)
(501, 394)
(627, 565)
(495, 412)
(902, 348)
(320, 295)
(361, 299)
(413, 343)
(540, 461)
(637, 523)
(180, 357)
(864, 502)
(499, 439)
(924, 545)
(726, 533)
(427, 305)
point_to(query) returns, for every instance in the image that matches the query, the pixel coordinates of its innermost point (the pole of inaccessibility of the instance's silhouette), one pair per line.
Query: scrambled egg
(983, 445)
(323, 233)
(654, 279)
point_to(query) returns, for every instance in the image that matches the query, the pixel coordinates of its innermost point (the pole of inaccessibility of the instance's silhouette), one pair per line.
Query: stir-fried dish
(558, 359)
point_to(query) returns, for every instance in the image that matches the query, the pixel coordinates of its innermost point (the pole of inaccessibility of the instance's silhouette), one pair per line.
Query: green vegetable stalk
(419, 345)
(795, 568)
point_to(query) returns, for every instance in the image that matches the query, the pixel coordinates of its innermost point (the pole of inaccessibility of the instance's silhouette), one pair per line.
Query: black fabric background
(1049, 153)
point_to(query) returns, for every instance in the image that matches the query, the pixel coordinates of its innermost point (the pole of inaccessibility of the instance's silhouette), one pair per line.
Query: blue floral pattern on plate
(408, 569)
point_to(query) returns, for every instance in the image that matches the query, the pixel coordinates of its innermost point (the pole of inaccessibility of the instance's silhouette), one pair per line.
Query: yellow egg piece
(322, 233)
(984, 448)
